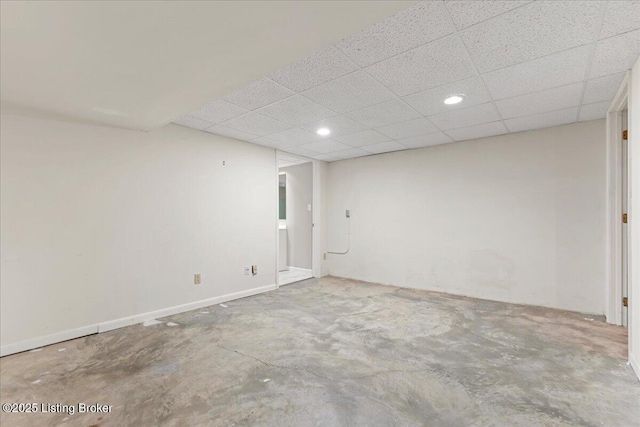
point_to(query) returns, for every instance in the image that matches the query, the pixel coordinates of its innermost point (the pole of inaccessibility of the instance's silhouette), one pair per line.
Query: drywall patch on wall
(516, 218)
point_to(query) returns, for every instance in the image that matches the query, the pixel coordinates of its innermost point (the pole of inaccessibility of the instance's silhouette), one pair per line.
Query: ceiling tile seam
(490, 18)
(399, 98)
(262, 115)
(266, 105)
(547, 112)
(484, 84)
(592, 53)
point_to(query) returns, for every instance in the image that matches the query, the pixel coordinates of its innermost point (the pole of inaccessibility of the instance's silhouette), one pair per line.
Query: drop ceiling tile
(602, 88)
(258, 94)
(324, 146)
(467, 13)
(594, 111)
(324, 157)
(432, 101)
(296, 110)
(539, 102)
(293, 136)
(620, 17)
(256, 124)
(543, 120)
(365, 137)
(231, 133)
(192, 122)
(425, 140)
(384, 147)
(384, 114)
(408, 129)
(218, 111)
(338, 125)
(531, 31)
(321, 67)
(465, 117)
(420, 24)
(543, 73)
(478, 131)
(428, 66)
(616, 54)
(299, 151)
(265, 142)
(349, 153)
(351, 92)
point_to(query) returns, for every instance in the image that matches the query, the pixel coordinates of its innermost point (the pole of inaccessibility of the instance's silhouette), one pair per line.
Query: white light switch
(309, 208)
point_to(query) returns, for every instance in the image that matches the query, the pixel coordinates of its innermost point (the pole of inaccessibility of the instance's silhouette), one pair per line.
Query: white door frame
(614, 207)
(316, 206)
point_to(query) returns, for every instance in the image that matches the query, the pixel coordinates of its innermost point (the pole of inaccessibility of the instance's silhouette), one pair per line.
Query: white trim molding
(110, 325)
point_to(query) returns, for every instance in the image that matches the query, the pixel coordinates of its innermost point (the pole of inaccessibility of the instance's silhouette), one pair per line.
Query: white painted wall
(517, 218)
(100, 224)
(299, 217)
(634, 214)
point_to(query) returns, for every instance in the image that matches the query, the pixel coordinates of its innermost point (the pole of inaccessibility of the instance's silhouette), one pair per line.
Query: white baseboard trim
(169, 311)
(69, 334)
(110, 325)
(635, 366)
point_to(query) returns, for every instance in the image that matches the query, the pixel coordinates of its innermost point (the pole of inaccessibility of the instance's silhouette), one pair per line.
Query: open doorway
(295, 218)
(618, 177)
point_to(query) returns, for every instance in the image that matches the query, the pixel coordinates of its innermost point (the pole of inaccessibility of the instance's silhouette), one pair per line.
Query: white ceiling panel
(324, 157)
(602, 88)
(540, 102)
(431, 101)
(325, 146)
(351, 92)
(408, 129)
(531, 31)
(293, 136)
(426, 140)
(218, 111)
(256, 124)
(420, 24)
(594, 111)
(464, 117)
(434, 64)
(384, 147)
(467, 13)
(296, 110)
(520, 65)
(543, 73)
(365, 137)
(321, 67)
(339, 125)
(349, 153)
(543, 120)
(231, 133)
(300, 151)
(384, 114)
(620, 17)
(478, 131)
(192, 122)
(258, 94)
(616, 54)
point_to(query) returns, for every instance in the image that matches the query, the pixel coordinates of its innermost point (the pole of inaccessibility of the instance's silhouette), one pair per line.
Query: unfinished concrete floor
(335, 352)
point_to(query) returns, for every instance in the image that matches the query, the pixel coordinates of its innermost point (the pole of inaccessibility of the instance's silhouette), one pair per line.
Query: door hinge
(625, 302)
(624, 135)
(624, 218)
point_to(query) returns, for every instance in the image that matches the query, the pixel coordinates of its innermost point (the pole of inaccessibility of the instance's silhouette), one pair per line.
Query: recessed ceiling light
(454, 99)
(323, 131)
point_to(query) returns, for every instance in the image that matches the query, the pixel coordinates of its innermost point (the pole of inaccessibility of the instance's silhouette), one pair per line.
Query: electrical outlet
(197, 279)
(347, 213)
(254, 269)
(324, 256)
(247, 270)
